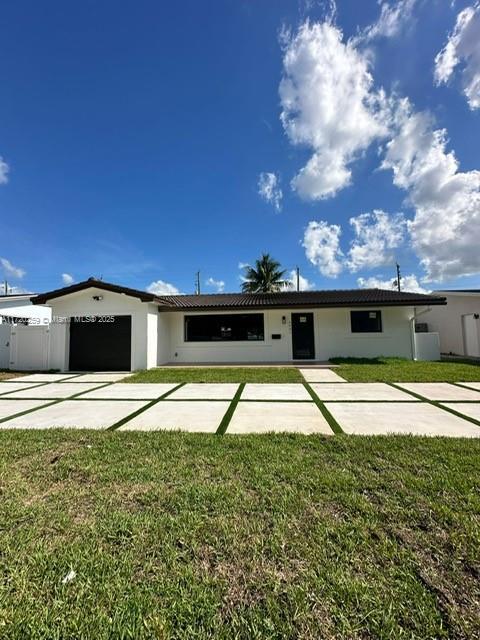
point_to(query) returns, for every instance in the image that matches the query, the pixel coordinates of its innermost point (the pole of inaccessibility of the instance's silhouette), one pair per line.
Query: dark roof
(327, 298)
(209, 301)
(458, 290)
(144, 296)
(16, 295)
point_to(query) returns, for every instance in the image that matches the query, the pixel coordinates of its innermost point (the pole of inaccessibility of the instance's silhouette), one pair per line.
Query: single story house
(459, 323)
(101, 326)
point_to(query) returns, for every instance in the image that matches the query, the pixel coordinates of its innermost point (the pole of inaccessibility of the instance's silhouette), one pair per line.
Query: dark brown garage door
(99, 345)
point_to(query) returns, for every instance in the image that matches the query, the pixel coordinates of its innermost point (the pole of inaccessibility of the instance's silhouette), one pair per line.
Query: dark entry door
(100, 346)
(303, 340)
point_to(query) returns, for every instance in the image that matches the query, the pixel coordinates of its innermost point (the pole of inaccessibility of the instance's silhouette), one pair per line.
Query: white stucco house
(101, 326)
(458, 323)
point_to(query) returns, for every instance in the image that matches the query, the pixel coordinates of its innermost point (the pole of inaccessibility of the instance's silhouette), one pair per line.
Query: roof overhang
(327, 299)
(93, 283)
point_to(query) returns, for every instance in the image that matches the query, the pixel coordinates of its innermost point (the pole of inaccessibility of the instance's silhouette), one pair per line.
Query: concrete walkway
(324, 404)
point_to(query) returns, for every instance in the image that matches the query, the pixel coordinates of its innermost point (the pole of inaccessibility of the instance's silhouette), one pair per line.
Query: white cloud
(269, 189)
(219, 285)
(4, 169)
(322, 247)
(67, 278)
(408, 283)
(161, 288)
(391, 21)
(446, 227)
(328, 105)
(11, 270)
(291, 282)
(375, 234)
(243, 265)
(463, 46)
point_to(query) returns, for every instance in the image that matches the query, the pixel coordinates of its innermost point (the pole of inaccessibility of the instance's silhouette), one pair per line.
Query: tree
(265, 277)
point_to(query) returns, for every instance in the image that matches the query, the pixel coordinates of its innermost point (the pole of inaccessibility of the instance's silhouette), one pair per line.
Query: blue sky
(134, 138)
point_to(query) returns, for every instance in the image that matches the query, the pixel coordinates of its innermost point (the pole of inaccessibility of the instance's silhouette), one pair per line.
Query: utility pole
(197, 284)
(399, 278)
(298, 279)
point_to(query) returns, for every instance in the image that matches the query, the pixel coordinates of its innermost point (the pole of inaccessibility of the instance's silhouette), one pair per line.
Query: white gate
(470, 335)
(29, 347)
(5, 346)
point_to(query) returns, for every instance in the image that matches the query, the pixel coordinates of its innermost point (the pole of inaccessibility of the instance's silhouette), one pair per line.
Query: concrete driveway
(325, 404)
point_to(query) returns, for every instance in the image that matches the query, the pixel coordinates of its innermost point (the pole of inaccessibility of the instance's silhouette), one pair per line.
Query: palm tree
(265, 277)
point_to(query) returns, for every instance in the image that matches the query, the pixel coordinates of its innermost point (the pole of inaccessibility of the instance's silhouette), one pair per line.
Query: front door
(303, 340)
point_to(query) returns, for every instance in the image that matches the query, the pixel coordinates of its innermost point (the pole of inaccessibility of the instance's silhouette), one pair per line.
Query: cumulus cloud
(463, 48)
(161, 288)
(11, 270)
(408, 283)
(446, 227)
(269, 189)
(219, 285)
(67, 278)
(393, 17)
(375, 234)
(328, 105)
(291, 282)
(322, 247)
(4, 169)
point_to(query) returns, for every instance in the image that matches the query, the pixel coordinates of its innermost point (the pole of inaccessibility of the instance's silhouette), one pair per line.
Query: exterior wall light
(97, 298)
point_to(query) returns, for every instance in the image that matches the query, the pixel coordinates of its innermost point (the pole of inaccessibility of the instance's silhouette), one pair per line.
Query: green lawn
(399, 370)
(218, 374)
(269, 537)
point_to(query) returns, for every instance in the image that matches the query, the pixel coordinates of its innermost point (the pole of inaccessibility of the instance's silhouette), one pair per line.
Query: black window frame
(219, 336)
(363, 327)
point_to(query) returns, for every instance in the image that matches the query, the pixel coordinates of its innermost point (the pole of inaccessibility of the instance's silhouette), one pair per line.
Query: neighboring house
(458, 323)
(102, 326)
(17, 309)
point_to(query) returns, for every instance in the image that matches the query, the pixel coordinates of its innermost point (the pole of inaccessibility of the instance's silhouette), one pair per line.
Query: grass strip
(464, 385)
(230, 411)
(22, 413)
(134, 414)
(48, 404)
(335, 427)
(74, 396)
(34, 386)
(437, 403)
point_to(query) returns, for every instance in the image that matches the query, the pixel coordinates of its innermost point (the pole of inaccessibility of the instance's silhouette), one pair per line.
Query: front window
(224, 327)
(366, 321)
